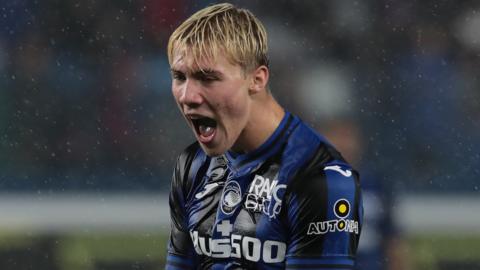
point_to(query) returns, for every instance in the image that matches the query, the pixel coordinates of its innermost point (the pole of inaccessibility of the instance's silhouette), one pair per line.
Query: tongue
(206, 131)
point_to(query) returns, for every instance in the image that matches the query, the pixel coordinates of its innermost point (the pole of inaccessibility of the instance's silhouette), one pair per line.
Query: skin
(245, 112)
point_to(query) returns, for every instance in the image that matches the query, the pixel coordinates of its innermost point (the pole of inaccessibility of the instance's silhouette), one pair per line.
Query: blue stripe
(301, 147)
(338, 187)
(218, 266)
(179, 259)
(173, 266)
(331, 260)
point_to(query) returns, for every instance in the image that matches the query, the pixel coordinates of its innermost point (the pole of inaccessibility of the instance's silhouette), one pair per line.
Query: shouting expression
(214, 98)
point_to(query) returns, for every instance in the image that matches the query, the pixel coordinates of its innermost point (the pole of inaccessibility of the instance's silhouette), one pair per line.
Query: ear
(259, 80)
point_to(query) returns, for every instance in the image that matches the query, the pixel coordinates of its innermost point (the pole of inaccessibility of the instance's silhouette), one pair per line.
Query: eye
(178, 76)
(208, 78)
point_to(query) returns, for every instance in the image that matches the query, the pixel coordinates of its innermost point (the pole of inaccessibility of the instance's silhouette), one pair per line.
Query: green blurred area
(439, 252)
(83, 251)
(146, 251)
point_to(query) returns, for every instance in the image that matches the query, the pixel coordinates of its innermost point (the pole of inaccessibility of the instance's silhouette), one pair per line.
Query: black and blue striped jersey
(293, 203)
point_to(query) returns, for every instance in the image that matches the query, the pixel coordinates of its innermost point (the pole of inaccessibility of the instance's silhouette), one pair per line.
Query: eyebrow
(197, 73)
(174, 71)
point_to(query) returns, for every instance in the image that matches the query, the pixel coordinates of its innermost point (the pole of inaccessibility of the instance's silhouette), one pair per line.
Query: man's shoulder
(189, 159)
(325, 162)
(320, 152)
(189, 154)
(190, 150)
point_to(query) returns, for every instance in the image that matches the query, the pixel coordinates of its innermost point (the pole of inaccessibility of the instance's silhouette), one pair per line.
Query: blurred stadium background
(89, 131)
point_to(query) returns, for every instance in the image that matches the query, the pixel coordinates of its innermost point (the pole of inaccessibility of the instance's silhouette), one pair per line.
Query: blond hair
(221, 28)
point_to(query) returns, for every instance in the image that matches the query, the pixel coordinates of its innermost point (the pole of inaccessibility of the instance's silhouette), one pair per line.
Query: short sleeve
(324, 213)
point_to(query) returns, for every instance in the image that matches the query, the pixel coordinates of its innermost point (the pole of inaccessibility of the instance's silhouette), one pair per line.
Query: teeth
(205, 130)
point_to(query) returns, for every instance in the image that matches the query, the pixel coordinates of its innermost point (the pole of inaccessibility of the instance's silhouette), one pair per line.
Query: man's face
(214, 99)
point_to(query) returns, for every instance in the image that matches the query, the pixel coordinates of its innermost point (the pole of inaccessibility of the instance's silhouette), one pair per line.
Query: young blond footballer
(258, 189)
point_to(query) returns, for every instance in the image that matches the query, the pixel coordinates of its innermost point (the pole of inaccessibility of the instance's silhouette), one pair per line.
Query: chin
(213, 152)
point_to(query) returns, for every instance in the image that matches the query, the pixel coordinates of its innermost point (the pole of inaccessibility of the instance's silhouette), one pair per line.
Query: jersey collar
(245, 163)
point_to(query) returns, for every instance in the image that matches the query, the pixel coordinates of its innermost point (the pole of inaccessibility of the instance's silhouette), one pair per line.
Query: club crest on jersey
(263, 196)
(231, 197)
(341, 209)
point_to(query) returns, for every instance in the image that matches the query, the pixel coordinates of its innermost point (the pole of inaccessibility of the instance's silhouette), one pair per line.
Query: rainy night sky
(85, 101)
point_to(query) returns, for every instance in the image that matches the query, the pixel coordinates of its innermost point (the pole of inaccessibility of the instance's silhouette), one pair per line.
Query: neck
(265, 116)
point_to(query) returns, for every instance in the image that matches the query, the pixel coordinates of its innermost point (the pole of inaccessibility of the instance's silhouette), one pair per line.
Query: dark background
(86, 108)
(85, 100)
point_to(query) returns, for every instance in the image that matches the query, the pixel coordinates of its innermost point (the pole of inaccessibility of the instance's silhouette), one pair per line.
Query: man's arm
(180, 248)
(324, 211)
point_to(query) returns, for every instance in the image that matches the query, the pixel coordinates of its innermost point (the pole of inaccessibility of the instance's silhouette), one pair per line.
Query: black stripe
(331, 266)
(354, 238)
(323, 198)
(185, 167)
(209, 213)
(195, 177)
(179, 265)
(310, 187)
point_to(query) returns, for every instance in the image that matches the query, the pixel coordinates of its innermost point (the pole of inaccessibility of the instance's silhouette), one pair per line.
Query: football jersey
(293, 203)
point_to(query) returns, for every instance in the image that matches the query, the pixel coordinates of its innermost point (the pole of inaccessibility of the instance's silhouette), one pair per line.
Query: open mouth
(205, 128)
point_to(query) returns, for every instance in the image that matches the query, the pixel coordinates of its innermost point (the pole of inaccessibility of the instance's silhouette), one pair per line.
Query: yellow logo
(341, 208)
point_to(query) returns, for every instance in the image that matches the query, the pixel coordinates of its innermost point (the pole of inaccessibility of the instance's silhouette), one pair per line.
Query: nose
(190, 94)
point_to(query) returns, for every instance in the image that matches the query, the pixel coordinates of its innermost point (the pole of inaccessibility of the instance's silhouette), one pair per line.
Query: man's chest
(231, 219)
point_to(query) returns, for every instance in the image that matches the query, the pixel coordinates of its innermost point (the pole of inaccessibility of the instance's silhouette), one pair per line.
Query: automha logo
(341, 209)
(322, 227)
